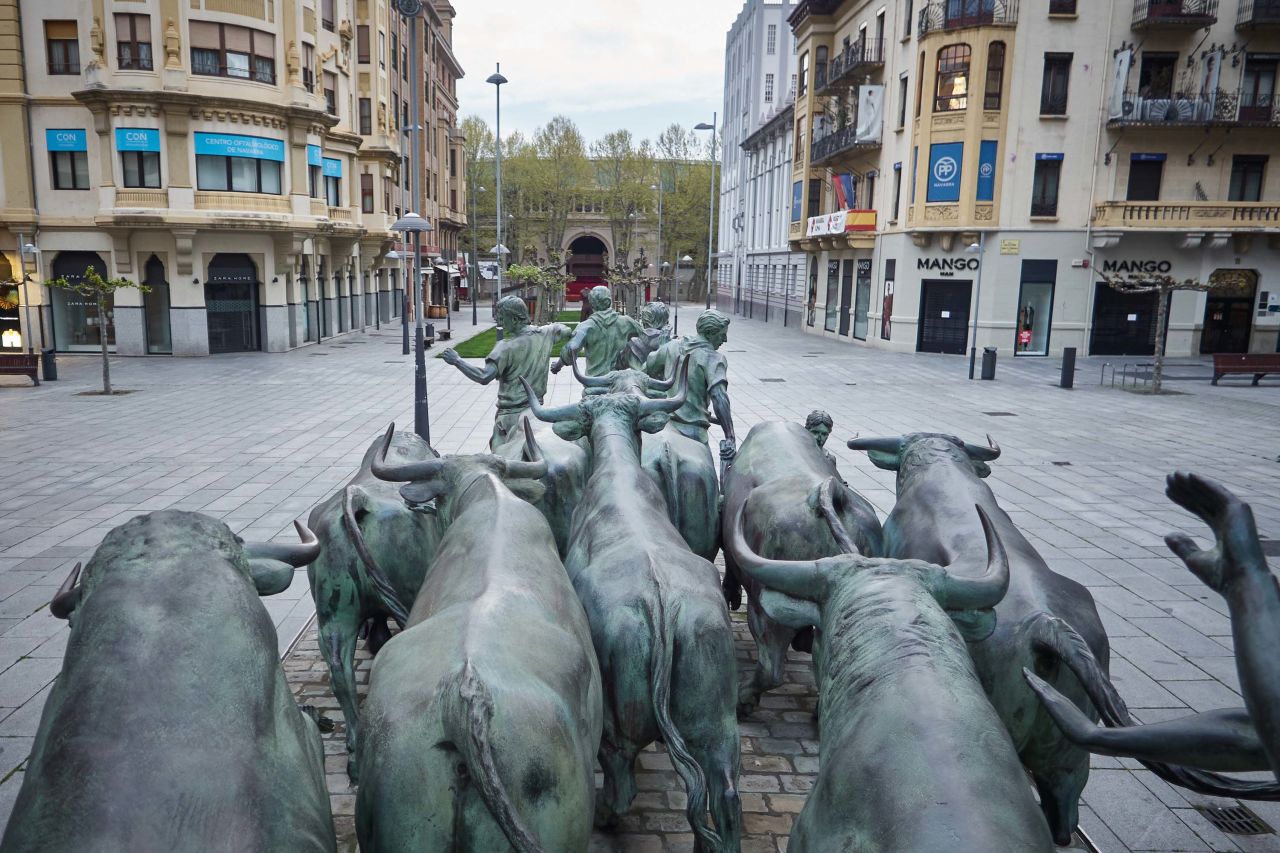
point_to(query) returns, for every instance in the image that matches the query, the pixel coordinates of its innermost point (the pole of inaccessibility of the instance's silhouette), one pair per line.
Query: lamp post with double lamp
(415, 225)
(475, 258)
(675, 281)
(711, 202)
(979, 249)
(25, 249)
(497, 80)
(658, 187)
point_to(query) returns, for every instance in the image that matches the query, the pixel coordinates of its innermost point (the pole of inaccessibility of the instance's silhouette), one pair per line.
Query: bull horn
(801, 579)
(675, 401)
(425, 470)
(549, 415)
(662, 384)
(68, 595)
(990, 453)
(589, 381)
(536, 467)
(884, 445)
(980, 593)
(295, 555)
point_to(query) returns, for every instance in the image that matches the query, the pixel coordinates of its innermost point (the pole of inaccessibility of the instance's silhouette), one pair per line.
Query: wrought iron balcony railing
(1258, 13)
(1148, 14)
(943, 15)
(861, 57)
(1195, 109)
(838, 142)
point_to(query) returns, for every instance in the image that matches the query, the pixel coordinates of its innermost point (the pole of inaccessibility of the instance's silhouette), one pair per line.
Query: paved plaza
(258, 439)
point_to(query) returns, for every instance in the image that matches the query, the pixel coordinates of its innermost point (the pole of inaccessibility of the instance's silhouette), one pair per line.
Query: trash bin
(988, 362)
(49, 365)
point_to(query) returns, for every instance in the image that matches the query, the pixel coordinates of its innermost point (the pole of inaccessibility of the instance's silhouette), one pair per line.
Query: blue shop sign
(946, 162)
(987, 170)
(137, 139)
(1148, 158)
(66, 140)
(313, 155)
(1042, 157)
(332, 168)
(234, 145)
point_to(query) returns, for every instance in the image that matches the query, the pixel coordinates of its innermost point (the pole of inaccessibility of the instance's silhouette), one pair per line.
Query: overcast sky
(607, 64)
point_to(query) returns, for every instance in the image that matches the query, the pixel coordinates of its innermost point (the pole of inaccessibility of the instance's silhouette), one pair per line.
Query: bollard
(1068, 379)
(49, 364)
(988, 362)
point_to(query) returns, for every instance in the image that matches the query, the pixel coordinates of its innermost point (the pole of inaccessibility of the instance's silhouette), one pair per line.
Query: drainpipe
(1103, 113)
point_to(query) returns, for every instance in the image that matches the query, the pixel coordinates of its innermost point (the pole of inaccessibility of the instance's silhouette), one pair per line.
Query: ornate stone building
(242, 158)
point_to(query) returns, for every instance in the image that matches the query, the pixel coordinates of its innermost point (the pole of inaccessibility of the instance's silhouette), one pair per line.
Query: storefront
(10, 321)
(944, 316)
(231, 303)
(155, 308)
(77, 326)
(1228, 312)
(1035, 307)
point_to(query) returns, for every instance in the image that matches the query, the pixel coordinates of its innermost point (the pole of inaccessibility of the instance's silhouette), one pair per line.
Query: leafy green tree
(102, 291)
(624, 172)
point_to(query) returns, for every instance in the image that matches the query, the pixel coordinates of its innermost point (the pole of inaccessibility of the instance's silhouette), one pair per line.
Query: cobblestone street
(259, 439)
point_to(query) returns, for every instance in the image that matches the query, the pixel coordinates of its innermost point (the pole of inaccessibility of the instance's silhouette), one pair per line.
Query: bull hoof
(606, 818)
(353, 771)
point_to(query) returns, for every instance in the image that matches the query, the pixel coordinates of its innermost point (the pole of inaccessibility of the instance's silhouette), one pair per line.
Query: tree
(628, 281)
(624, 171)
(563, 172)
(1163, 286)
(101, 290)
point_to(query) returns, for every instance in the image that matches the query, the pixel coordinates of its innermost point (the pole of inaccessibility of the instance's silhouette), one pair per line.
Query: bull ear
(270, 577)
(653, 422)
(887, 461)
(792, 612)
(530, 491)
(417, 494)
(569, 430)
(980, 468)
(974, 625)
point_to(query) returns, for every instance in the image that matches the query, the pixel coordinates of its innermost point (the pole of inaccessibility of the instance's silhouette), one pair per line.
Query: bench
(20, 364)
(1258, 364)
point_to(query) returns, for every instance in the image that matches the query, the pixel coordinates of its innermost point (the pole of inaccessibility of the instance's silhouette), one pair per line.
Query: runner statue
(604, 334)
(679, 457)
(819, 424)
(655, 322)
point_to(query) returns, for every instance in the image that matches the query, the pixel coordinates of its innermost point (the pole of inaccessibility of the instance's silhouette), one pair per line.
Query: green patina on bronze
(604, 335)
(655, 322)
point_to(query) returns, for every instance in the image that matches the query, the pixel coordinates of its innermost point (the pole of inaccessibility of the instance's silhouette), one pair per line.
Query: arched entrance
(1228, 312)
(587, 257)
(155, 305)
(231, 302)
(76, 324)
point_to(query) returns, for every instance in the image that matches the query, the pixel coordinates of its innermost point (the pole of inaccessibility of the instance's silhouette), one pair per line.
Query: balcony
(1258, 13)
(1174, 14)
(862, 57)
(1184, 216)
(947, 15)
(840, 142)
(1218, 109)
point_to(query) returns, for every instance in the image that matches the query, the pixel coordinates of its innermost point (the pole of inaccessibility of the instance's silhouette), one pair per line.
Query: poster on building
(797, 200)
(946, 161)
(870, 114)
(987, 170)
(1211, 73)
(886, 307)
(1124, 59)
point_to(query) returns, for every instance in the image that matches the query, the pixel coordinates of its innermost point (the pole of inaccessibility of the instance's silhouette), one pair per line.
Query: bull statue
(374, 552)
(912, 756)
(657, 616)
(171, 725)
(1188, 751)
(1046, 622)
(793, 505)
(525, 353)
(483, 716)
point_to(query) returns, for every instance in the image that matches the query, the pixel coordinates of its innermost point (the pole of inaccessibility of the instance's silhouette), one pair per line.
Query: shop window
(1053, 88)
(1035, 310)
(362, 44)
(77, 325)
(1044, 185)
(223, 50)
(133, 42)
(140, 168)
(951, 92)
(1247, 171)
(366, 116)
(309, 68)
(10, 321)
(62, 47)
(995, 76)
(833, 295)
(70, 170)
(1146, 172)
(237, 174)
(366, 193)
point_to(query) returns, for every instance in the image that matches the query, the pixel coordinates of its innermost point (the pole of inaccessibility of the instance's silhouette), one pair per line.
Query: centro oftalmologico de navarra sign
(235, 145)
(946, 162)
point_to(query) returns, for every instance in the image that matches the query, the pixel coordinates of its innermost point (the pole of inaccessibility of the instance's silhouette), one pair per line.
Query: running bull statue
(1230, 739)
(171, 726)
(657, 615)
(1046, 622)
(374, 552)
(794, 506)
(483, 716)
(913, 757)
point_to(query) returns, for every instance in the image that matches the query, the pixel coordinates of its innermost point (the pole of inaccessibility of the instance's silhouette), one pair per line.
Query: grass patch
(568, 316)
(479, 346)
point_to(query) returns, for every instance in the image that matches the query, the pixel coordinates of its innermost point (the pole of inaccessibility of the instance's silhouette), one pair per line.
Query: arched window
(995, 76)
(951, 90)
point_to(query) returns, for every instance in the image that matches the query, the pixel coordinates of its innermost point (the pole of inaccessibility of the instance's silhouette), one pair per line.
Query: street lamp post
(658, 187)
(475, 258)
(25, 249)
(415, 225)
(711, 202)
(497, 80)
(979, 249)
(675, 327)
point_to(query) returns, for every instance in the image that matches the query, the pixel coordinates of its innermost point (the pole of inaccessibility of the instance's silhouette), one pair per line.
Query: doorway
(76, 324)
(231, 303)
(155, 308)
(862, 300)
(1123, 323)
(846, 297)
(1228, 312)
(944, 316)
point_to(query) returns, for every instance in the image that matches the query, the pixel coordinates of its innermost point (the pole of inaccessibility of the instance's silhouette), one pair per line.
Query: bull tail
(468, 710)
(826, 505)
(672, 482)
(381, 583)
(1053, 636)
(695, 781)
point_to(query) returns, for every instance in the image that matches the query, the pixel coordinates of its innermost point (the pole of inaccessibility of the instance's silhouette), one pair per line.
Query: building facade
(756, 263)
(936, 198)
(243, 159)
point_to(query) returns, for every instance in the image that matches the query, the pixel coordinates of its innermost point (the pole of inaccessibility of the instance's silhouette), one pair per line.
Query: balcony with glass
(1174, 14)
(947, 15)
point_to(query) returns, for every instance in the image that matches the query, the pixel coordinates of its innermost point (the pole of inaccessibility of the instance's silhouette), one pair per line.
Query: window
(366, 193)
(309, 68)
(366, 116)
(869, 202)
(327, 13)
(70, 170)
(768, 88)
(331, 93)
(897, 190)
(815, 197)
(995, 76)
(1145, 174)
(404, 62)
(62, 47)
(792, 91)
(387, 187)
(1044, 186)
(908, 14)
(773, 39)
(133, 42)
(1053, 91)
(904, 89)
(141, 168)
(920, 85)
(362, 44)
(1062, 7)
(237, 174)
(315, 181)
(1258, 87)
(952, 88)
(804, 74)
(333, 190)
(382, 49)
(453, 162)
(1155, 76)
(1246, 177)
(222, 50)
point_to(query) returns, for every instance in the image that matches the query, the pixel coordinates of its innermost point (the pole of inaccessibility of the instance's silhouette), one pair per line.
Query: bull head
(889, 453)
(574, 421)
(271, 564)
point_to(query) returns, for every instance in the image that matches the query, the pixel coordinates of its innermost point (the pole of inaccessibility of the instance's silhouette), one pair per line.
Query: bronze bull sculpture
(171, 726)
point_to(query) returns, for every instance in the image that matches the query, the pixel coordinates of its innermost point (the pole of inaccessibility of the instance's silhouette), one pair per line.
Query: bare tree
(1163, 286)
(101, 291)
